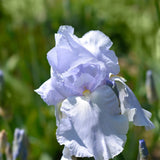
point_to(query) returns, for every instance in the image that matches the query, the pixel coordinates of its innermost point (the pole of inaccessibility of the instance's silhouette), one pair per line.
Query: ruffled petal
(66, 29)
(88, 76)
(61, 58)
(69, 53)
(58, 83)
(95, 41)
(92, 125)
(48, 92)
(74, 81)
(131, 107)
(111, 62)
(63, 30)
(77, 68)
(98, 44)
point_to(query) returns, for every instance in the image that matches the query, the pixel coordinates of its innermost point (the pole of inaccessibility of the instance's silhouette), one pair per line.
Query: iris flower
(93, 106)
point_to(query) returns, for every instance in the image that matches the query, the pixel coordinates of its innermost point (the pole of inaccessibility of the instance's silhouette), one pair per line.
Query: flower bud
(1, 79)
(3, 141)
(19, 145)
(8, 151)
(143, 152)
(150, 88)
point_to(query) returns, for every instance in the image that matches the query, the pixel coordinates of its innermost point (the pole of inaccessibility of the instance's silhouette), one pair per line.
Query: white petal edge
(131, 107)
(65, 29)
(93, 127)
(48, 93)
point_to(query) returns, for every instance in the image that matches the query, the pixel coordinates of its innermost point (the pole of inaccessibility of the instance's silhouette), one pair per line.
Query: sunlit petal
(95, 41)
(93, 125)
(48, 92)
(131, 107)
(99, 44)
(75, 67)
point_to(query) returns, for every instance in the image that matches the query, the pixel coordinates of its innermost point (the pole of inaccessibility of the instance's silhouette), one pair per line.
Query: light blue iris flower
(92, 107)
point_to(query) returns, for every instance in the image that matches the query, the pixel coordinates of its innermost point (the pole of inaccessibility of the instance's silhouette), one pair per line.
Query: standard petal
(95, 41)
(98, 44)
(111, 62)
(48, 93)
(61, 58)
(88, 76)
(58, 83)
(61, 31)
(131, 107)
(93, 125)
(66, 29)
(68, 54)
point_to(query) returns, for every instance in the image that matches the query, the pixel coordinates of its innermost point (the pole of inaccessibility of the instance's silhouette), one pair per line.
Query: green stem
(157, 118)
(157, 10)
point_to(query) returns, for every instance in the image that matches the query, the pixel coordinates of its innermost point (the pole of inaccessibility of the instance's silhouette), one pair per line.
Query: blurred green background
(27, 30)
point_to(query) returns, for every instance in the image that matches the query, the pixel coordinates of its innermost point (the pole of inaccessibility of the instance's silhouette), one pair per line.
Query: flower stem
(157, 10)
